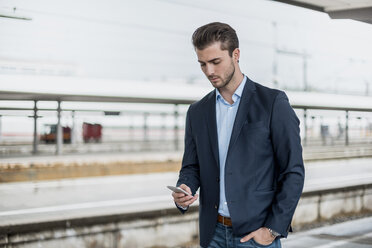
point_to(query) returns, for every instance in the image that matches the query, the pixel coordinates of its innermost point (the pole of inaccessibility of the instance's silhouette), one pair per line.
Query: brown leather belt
(224, 220)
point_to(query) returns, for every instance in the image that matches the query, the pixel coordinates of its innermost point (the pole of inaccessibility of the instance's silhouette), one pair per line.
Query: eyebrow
(212, 60)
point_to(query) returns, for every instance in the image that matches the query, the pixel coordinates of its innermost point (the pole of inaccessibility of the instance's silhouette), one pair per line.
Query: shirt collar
(238, 92)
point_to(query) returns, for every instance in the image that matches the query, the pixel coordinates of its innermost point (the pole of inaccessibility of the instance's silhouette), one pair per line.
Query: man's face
(216, 64)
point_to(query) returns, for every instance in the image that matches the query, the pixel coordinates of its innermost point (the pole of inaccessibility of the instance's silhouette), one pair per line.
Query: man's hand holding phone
(182, 199)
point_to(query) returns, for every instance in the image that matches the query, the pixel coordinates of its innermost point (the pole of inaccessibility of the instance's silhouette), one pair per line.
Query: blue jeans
(224, 238)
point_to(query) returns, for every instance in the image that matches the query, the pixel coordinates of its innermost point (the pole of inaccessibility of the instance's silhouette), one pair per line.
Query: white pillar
(73, 130)
(145, 126)
(176, 138)
(347, 128)
(59, 141)
(0, 127)
(36, 141)
(305, 127)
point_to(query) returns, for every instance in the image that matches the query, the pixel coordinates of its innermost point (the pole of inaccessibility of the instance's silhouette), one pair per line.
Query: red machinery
(92, 132)
(50, 133)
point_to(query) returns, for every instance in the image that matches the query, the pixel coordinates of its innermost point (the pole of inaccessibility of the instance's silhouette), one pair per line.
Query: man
(242, 149)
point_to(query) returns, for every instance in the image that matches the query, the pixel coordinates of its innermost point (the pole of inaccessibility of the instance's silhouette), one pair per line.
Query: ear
(236, 54)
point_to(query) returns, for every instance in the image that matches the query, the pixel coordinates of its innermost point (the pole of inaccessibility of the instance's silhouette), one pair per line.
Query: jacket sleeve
(189, 173)
(286, 142)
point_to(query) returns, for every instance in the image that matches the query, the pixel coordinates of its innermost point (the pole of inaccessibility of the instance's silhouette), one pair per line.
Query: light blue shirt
(225, 117)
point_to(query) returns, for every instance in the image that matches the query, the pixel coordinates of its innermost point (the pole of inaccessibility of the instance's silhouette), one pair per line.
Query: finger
(185, 199)
(185, 187)
(246, 238)
(184, 203)
(178, 195)
(191, 201)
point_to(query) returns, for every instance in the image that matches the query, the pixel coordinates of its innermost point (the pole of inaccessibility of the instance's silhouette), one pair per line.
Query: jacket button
(218, 179)
(215, 206)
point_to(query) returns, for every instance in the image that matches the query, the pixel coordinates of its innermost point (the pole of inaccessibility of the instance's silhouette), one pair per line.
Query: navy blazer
(264, 173)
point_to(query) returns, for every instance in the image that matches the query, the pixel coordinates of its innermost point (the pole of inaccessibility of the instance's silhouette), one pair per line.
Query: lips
(213, 79)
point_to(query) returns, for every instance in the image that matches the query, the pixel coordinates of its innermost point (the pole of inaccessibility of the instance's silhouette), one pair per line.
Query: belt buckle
(225, 221)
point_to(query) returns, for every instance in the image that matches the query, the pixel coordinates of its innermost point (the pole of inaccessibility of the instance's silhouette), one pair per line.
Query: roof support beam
(59, 131)
(36, 140)
(348, 9)
(361, 14)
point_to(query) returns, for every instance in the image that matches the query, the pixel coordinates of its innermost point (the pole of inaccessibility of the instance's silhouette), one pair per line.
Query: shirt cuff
(183, 208)
(274, 233)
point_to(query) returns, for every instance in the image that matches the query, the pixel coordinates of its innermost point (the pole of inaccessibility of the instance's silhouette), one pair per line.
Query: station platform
(349, 234)
(94, 164)
(141, 202)
(35, 201)
(51, 167)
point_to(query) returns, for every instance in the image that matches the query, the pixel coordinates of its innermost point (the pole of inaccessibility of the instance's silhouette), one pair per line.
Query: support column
(59, 140)
(304, 64)
(131, 129)
(36, 141)
(73, 130)
(0, 127)
(164, 126)
(145, 127)
(305, 127)
(176, 128)
(275, 58)
(347, 128)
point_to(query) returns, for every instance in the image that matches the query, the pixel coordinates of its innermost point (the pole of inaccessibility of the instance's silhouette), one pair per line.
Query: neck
(228, 91)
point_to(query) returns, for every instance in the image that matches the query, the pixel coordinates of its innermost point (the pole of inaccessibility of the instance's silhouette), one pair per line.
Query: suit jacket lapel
(212, 125)
(242, 113)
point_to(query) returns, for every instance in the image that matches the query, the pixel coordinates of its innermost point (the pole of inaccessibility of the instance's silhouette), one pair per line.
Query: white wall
(150, 40)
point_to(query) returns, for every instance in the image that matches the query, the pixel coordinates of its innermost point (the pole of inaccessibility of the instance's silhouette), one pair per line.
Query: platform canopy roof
(43, 88)
(76, 89)
(360, 10)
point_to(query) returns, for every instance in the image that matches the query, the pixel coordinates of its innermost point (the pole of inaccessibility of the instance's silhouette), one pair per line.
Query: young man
(242, 148)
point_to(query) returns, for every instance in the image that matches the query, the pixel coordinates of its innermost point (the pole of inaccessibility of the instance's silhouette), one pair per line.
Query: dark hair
(215, 32)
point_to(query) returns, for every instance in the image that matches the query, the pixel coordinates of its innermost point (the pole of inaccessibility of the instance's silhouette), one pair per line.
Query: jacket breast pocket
(253, 125)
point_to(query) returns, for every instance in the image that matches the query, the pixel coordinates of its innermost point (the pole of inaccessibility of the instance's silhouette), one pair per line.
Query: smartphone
(178, 190)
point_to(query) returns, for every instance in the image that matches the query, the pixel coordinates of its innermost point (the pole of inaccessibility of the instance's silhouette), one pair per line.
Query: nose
(209, 70)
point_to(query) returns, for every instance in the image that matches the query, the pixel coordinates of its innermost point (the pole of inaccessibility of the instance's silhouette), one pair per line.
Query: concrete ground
(27, 202)
(350, 234)
(94, 164)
